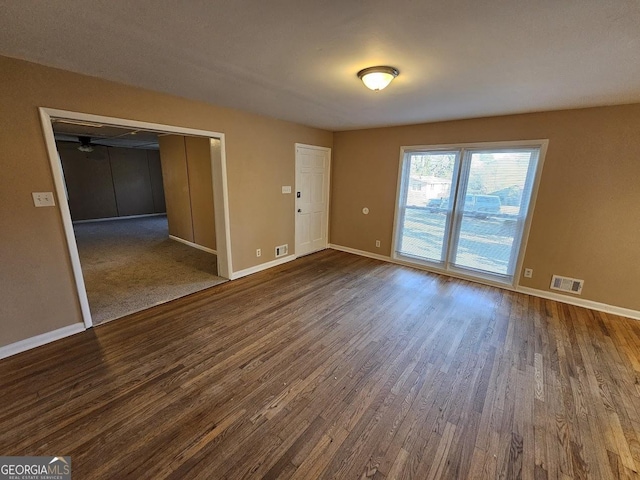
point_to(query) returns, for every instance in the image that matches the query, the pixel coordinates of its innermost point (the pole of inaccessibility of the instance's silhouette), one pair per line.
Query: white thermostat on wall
(286, 189)
(365, 210)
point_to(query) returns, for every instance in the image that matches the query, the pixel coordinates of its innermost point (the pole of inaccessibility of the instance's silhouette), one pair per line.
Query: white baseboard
(194, 245)
(110, 219)
(42, 339)
(362, 253)
(579, 302)
(417, 266)
(261, 267)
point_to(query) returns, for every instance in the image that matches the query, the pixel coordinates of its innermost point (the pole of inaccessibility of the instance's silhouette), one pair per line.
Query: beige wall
(37, 291)
(201, 191)
(586, 222)
(175, 177)
(188, 184)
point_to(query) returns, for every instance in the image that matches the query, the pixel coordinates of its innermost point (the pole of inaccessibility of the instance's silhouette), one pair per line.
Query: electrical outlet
(528, 273)
(378, 243)
(43, 199)
(258, 252)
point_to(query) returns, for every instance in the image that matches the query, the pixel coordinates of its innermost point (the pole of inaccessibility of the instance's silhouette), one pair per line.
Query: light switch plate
(286, 189)
(43, 199)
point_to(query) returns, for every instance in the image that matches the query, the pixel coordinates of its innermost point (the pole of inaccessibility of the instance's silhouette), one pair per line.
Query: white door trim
(221, 205)
(327, 191)
(219, 173)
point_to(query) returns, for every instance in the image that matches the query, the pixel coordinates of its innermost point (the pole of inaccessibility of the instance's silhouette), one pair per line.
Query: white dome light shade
(377, 78)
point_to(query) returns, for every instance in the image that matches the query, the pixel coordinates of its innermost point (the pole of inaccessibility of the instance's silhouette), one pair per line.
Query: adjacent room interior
(142, 208)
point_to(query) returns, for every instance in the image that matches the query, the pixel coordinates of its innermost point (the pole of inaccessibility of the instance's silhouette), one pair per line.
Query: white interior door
(312, 198)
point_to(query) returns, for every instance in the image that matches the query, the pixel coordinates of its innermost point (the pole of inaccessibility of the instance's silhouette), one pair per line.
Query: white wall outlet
(282, 250)
(258, 252)
(528, 273)
(378, 243)
(43, 199)
(286, 189)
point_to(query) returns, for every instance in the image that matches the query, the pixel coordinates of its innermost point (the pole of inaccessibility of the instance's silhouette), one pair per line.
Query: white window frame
(453, 224)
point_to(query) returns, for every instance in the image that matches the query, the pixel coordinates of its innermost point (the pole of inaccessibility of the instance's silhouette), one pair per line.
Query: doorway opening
(144, 208)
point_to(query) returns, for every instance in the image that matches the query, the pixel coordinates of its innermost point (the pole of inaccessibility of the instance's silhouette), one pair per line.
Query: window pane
(493, 210)
(427, 191)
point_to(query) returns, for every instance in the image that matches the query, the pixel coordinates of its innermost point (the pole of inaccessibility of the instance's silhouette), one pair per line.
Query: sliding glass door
(465, 209)
(426, 216)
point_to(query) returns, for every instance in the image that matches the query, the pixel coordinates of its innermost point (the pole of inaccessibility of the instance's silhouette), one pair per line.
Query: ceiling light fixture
(85, 144)
(377, 78)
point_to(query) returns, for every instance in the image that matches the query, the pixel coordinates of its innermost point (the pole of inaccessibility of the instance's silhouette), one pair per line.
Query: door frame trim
(327, 192)
(220, 189)
(541, 144)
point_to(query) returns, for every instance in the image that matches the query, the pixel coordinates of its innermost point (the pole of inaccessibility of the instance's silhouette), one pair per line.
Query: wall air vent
(282, 250)
(567, 284)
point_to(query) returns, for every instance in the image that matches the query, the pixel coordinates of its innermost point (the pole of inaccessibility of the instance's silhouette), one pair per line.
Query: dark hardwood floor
(336, 366)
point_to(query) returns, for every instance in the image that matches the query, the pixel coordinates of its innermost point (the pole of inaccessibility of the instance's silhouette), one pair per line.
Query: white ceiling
(297, 60)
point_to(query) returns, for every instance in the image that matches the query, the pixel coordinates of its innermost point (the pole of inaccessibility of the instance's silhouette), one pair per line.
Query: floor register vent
(567, 284)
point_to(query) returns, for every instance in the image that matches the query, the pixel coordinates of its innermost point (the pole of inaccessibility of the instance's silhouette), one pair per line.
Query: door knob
(299, 210)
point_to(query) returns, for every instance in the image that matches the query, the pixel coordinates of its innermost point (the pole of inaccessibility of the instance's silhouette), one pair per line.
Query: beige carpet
(131, 264)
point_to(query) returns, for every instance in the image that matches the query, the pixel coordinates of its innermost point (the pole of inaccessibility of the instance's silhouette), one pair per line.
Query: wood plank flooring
(336, 366)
